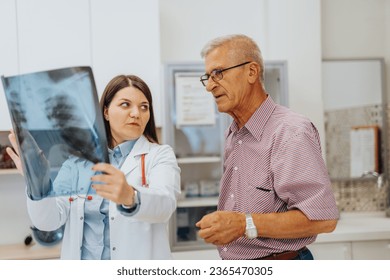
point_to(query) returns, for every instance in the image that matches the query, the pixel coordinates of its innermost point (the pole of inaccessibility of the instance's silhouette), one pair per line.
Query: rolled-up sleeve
(301, 178)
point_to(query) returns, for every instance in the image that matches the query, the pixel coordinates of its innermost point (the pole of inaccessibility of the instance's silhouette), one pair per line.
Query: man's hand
(222, 227)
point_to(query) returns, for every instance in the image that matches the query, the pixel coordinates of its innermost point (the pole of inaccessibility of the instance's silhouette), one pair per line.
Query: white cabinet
(371, 250)
(355, 250)
(358, 236)
(53, 34)
(125, 39)
(8, 54)
(331, 251)
(184, 233)
(44, 35)
(114, 37)
(210, 254)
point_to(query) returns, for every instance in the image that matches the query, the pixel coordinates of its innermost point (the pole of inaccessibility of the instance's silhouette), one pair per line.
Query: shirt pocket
(259, 194)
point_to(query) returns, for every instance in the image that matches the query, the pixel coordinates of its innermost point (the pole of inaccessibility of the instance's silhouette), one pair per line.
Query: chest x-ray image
(59, 128)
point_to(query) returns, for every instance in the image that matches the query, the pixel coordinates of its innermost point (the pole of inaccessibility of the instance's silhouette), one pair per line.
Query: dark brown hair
(120, 82)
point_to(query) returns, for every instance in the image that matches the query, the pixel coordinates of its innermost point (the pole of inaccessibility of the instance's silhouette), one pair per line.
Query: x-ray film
(59, 129)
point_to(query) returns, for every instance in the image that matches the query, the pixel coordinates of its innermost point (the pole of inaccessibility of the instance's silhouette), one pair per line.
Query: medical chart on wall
(57, 121)
(194, 105)
(364, 150)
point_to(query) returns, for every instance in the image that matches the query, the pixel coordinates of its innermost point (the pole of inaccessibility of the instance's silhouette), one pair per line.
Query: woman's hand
(112, 184)
(14, 153)
(38, 182)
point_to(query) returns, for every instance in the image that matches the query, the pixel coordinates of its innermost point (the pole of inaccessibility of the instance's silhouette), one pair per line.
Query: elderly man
(275, 193)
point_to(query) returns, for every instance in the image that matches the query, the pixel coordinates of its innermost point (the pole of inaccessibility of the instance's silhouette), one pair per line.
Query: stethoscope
(143, 182)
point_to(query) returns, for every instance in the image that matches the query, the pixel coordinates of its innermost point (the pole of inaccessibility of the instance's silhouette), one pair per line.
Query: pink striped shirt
(274, 164)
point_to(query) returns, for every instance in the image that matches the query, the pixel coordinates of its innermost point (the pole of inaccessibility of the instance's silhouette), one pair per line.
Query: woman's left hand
(112, 184)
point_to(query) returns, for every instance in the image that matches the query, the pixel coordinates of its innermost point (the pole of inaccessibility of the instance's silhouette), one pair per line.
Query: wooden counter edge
(31, 252)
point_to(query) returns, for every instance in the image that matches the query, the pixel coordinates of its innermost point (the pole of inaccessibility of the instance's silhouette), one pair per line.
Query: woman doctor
(136, 193)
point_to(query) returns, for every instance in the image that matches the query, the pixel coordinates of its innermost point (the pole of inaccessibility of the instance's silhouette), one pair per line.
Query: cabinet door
(184, 233)
(275, 81)
(211, 254)
(371, 250)
(331, 251)
(126, 40)
(53, 34)
(8, 54)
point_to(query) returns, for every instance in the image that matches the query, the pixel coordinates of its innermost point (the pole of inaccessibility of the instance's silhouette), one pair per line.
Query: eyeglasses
(217, 75)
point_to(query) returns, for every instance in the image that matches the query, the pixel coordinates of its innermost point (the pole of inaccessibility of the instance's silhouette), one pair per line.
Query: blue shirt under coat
(96, 233)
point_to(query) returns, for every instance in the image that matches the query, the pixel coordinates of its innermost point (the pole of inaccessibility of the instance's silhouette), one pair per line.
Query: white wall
(186, 25)
(386, 35)
(295, 35)
(356, 29)
(349, 84)
(353, 29)
(9, 52)
(284, 30)
(113, 37)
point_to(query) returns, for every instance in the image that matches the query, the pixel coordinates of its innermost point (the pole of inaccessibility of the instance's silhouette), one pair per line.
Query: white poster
(194, 105)
(364, 150)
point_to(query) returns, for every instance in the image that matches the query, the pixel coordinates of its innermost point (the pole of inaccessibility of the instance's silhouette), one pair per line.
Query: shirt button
(81, 218)
(113, 248)
(235, 168)
(240, 142)
(112, 218)
(232, 195)
(224, 249)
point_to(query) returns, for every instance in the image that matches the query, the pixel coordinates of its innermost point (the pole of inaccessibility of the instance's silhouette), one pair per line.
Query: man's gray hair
(241, 48)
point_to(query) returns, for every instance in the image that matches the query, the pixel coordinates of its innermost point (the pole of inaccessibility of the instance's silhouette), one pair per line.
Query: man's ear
(254, 72)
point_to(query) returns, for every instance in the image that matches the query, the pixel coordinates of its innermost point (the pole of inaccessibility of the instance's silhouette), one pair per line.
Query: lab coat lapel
(142, 146)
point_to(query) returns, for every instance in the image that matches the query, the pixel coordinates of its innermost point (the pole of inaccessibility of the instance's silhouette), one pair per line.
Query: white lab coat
(141, 236)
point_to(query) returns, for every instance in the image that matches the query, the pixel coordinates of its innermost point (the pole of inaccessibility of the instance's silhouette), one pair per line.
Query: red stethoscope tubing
(143, 171)
(143, 178)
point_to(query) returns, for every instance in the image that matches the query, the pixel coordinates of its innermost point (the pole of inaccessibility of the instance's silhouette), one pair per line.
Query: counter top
(359, 226)
(31, 252)
(356, 226)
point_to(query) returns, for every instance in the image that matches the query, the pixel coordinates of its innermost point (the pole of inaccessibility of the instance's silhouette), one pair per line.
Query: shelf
(189, 160)
(198, 201)
(9, 171)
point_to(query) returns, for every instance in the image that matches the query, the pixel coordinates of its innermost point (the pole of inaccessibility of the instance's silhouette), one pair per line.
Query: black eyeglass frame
(218, 72)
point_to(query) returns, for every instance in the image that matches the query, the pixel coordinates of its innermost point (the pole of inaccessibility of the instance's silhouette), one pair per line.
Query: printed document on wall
(364, 150)
(194, 105)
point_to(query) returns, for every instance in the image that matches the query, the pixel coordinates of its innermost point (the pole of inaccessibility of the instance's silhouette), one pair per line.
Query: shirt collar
(256, 123)
(125, 148)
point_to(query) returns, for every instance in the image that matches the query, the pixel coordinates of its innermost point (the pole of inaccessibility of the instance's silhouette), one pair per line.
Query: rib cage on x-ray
(55, 114)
